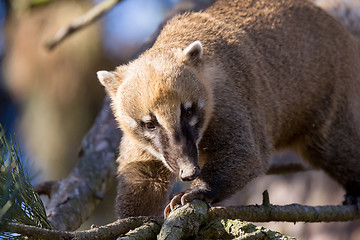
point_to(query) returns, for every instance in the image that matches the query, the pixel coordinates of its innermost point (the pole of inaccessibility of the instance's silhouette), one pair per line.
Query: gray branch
(108, 231)
(287, 213)
(75, 197)
(195, 219)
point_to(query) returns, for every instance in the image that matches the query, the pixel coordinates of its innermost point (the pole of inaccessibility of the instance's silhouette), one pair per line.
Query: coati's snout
(173, 136)
(183, 157)
(189, 173)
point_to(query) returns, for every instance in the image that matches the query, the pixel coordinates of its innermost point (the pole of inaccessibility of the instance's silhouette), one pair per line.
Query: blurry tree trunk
(57, 92)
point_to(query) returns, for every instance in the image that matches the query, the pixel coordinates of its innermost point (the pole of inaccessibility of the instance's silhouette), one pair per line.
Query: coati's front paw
(352, 200)
(187, 196)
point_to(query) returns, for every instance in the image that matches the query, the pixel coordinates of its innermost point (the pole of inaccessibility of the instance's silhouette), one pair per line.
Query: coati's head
(163, 101)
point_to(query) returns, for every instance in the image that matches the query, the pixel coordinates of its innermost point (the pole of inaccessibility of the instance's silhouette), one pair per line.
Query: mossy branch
(108, 231)
(184, 221)
(195, 219)
(230, 229)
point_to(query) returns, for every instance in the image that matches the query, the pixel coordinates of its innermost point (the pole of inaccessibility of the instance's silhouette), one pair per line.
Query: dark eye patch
(187, 113)
(151, 124)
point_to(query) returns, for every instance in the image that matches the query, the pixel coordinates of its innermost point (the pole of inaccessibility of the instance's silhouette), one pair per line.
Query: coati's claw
(167, 210)
(184, 197)
(192, 195)
(177, 200)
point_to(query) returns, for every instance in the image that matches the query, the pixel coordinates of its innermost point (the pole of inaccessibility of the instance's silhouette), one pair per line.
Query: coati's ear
(109, 81)
(193, 53)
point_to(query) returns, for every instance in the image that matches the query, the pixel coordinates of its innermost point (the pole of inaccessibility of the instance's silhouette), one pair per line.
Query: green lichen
(184, 221)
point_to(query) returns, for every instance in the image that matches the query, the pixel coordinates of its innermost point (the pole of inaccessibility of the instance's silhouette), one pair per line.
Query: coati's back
(290, 42)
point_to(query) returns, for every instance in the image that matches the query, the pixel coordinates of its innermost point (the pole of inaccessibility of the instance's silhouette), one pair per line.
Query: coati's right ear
(109, 81)
(194, 52)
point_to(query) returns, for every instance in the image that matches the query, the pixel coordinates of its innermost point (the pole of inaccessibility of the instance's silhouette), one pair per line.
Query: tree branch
(108, 231)
(195, 218)
(287, 213)
(78, 194)
(81, 22)
(231, 229)
(47, 188)
(149, 230)
(184, 221)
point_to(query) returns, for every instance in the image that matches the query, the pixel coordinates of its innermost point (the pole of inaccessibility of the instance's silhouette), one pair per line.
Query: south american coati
(223, 89)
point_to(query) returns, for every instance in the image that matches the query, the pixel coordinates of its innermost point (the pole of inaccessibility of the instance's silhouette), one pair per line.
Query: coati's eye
(188, 113)
(150, 125)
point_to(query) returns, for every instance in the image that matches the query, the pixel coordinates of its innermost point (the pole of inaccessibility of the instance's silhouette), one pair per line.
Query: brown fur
(272, 74)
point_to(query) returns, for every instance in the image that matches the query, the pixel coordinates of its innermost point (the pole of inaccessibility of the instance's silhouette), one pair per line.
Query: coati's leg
(143, 184)
(338, 153)
(232, 162)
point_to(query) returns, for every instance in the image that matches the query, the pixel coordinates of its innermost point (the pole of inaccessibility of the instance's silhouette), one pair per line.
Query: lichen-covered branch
(230, 229)
(184, 221)
(149, 230)
(196, 219)
(109, 231)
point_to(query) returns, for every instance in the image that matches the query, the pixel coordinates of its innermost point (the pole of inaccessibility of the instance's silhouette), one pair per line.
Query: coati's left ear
(194, 52)
(109, 81)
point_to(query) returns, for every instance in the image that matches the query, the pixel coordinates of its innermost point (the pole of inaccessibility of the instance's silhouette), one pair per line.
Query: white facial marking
(198, 140)
(146, 118)
(201, 103)
(148, 134)
(187, 105)
(158, 156)
(130, 121)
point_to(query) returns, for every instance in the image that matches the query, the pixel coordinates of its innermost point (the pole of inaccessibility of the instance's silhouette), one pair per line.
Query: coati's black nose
(189, 173)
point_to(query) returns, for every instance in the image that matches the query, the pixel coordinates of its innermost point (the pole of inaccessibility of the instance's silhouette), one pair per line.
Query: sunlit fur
(264, 75)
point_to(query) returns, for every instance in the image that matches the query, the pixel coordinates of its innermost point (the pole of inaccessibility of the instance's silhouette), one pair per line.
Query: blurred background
(50, 98)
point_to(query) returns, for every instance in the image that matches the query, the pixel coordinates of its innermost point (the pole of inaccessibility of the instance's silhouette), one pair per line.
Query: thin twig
(80, 22)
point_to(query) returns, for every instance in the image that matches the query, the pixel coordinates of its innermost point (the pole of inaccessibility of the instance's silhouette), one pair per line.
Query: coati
(223, 89)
